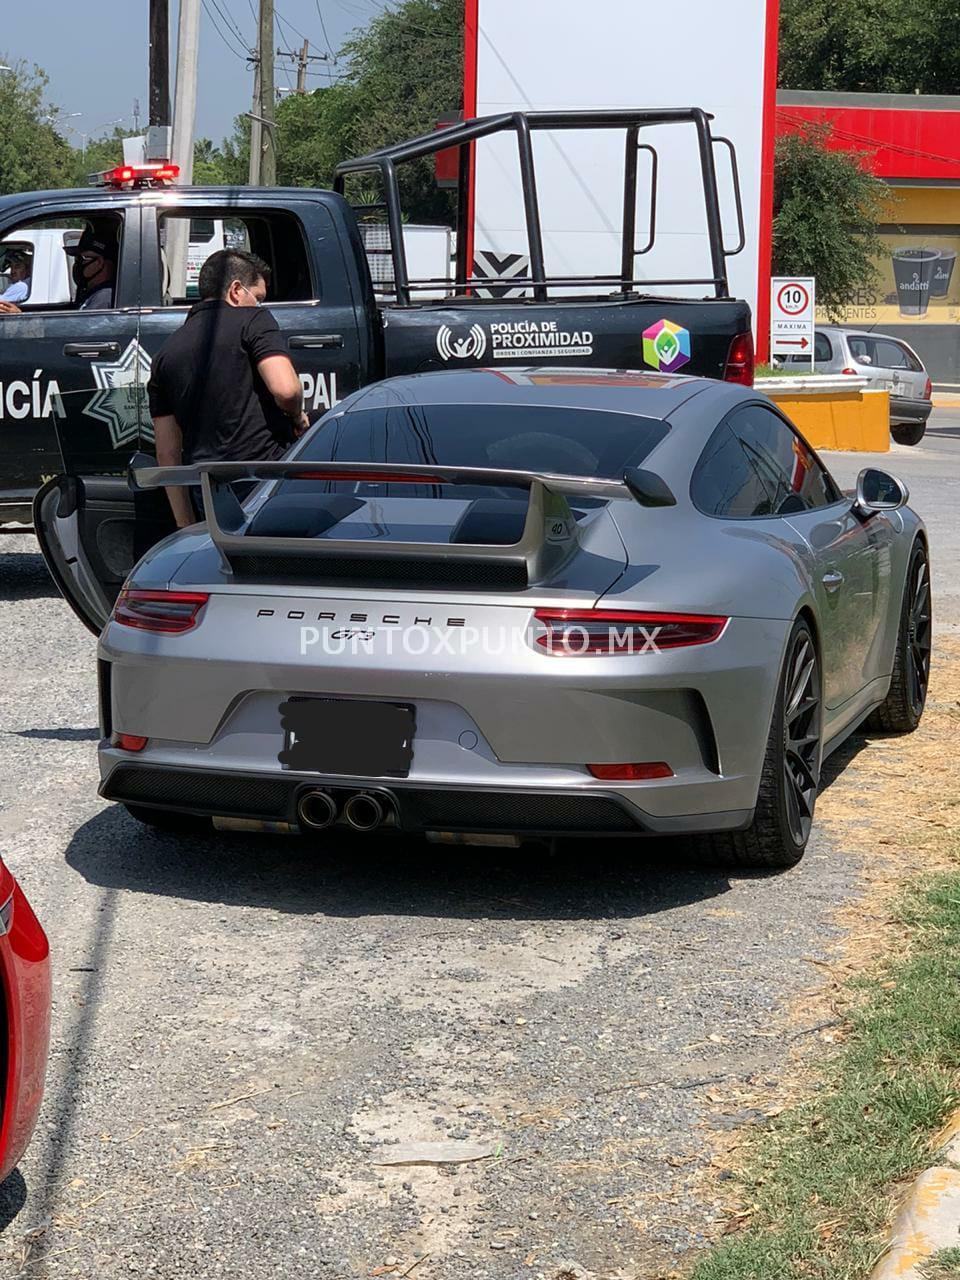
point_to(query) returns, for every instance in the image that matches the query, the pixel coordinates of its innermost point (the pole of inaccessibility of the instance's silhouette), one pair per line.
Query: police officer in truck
(94, 270)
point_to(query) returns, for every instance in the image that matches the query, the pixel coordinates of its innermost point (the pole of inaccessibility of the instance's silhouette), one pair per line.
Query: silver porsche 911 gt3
(482, 606)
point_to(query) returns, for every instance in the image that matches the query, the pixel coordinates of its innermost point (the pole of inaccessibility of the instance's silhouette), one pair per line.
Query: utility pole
(136, 115)
(256, 129)
(185, 104)
(184, 124)
(303, 63)
(268, 97)
(303, 60)
(159, 62)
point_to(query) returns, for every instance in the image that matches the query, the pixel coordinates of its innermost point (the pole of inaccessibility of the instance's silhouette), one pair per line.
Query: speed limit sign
(792, 305)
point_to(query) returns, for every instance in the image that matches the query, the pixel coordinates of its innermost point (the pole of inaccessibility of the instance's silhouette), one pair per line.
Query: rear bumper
(504, 722)
(273, 797)
(25, 972)
(903, 410)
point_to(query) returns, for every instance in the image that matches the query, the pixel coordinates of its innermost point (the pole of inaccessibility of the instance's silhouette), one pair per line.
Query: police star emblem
(121, 398)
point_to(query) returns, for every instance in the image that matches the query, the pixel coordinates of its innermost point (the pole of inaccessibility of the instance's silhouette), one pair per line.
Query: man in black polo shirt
(223, 388)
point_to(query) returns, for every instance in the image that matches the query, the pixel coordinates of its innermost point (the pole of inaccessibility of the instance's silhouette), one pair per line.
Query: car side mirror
(879, 491)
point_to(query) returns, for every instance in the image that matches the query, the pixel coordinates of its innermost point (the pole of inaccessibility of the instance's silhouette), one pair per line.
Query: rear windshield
(575, 442)
(883, 353)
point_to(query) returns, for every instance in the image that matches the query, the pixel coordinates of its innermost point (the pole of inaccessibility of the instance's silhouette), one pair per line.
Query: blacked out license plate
(341, 735)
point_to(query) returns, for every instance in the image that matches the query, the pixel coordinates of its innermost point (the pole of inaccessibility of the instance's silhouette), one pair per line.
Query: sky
(95, 54)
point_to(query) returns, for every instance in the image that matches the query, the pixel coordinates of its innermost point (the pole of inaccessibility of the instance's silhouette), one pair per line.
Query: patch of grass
(819, 1179)
(788, 371)
(942, 1266)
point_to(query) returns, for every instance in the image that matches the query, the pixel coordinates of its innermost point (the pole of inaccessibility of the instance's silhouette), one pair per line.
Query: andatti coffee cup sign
(943, 273)
(913, 271)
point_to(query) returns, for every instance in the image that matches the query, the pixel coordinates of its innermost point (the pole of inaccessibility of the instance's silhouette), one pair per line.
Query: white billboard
(540, 55)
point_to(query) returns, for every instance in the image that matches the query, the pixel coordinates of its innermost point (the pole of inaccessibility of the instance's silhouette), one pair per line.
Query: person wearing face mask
(94, 271)
(223, 388)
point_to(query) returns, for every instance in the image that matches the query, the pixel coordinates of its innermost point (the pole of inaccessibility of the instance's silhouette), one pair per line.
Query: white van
(50, 280)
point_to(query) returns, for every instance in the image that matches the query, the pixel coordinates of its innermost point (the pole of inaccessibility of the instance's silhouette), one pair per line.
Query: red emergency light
(138, 175)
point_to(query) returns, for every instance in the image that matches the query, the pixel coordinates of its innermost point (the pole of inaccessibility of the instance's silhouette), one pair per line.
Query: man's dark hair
(226, 265)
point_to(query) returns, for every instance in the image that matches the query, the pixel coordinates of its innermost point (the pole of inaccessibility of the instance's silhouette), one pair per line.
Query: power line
(323, 28)
(287, 23)
(209, 12)
(224, 11)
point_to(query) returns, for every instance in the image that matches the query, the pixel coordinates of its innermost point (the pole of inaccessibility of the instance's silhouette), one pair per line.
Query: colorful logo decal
(666, 346)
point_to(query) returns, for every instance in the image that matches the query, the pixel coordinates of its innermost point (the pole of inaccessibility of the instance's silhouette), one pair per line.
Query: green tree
(403, 72)
(826, 210)
(209, 168)
(888, 46)
(235, 153)
(99, 155)
(33, 154)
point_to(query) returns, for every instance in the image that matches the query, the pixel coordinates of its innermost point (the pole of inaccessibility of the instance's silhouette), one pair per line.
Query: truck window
(44, 241)
(188, 239)
(16, 271)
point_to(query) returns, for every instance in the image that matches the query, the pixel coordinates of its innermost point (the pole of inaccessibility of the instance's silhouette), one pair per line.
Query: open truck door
(92, 530)
(91, 527)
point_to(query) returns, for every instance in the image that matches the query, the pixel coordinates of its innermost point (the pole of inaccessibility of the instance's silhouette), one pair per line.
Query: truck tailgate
(663, 334)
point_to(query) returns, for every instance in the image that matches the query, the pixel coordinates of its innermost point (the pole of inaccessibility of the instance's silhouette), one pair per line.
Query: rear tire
(902, 708)
(783, 817)
(908, 432)
(168, 819)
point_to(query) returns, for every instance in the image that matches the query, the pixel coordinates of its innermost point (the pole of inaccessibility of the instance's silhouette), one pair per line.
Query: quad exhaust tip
(317, 810)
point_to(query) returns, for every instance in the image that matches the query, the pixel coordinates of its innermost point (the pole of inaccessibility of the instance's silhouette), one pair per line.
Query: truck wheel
(168, 819)
(908, 432)
(783, 817)
(902, 708)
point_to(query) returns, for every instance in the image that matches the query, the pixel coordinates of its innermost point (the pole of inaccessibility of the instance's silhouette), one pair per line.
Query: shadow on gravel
(359, 876)
(13, 1196)
(23, 576)
(834, 766)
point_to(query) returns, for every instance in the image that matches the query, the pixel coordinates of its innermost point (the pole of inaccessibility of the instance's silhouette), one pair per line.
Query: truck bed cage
(523, 124)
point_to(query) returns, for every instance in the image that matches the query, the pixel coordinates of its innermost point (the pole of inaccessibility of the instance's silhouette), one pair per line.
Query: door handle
(91, 350)
(315, 341)
(833, 580)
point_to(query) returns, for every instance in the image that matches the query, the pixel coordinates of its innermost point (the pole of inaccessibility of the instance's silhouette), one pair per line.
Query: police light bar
(137, 175)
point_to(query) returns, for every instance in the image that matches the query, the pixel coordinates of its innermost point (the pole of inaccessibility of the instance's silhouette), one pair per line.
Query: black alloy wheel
(902, 708)
(787, 795)
(801, 735)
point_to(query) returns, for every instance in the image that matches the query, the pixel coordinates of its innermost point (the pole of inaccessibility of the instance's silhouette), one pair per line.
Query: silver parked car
(886, 362)
(483, 603)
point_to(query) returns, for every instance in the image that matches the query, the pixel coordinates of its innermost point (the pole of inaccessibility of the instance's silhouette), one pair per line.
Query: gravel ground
(242, 1026)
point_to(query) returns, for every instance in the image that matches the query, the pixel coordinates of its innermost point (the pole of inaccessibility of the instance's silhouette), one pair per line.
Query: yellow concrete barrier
(834, 416)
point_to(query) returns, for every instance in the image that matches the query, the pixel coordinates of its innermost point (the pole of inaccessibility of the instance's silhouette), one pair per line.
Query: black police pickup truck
(73, 382)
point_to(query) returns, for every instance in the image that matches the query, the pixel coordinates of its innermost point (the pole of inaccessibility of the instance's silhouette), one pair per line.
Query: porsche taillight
(616, 632)
(169, 612)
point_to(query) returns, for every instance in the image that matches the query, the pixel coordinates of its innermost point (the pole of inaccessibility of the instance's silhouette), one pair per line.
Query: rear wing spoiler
(549, 529)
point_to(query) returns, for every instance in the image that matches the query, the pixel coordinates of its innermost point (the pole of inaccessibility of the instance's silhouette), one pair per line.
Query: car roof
(860, 333)
(649, 395)
(174, 194)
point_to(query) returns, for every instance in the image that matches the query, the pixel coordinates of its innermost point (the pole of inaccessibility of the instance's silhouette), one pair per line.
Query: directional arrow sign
(792, 304)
